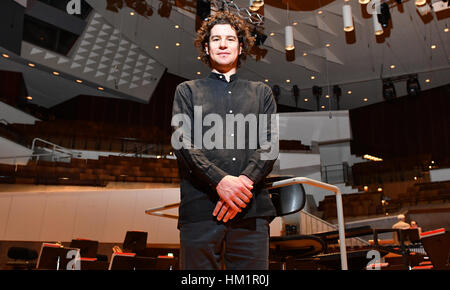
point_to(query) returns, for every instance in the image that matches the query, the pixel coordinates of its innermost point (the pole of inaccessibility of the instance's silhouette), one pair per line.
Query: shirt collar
(219, 76)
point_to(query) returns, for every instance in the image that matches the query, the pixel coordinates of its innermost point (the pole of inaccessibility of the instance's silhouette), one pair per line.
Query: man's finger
(247, 192)
(246, 183)
(239, 202)
(218, 207)
(233, 215)
(231, 204)
(222, 212)
(244, 198)
(229, 215)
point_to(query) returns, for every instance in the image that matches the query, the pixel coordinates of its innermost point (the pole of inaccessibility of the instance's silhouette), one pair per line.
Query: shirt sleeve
(193, 158)
(262, 160)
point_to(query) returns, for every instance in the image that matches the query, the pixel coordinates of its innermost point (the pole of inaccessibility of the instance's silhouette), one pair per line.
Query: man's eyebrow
(225, 36)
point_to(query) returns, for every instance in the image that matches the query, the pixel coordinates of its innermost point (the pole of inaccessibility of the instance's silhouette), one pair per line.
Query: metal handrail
(26, 156)
(55, 147)
(142, 149)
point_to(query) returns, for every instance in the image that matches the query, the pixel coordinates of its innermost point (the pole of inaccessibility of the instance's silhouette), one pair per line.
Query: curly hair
(242, 30)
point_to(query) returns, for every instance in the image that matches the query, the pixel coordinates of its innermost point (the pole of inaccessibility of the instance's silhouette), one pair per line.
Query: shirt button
(231, 111)
(234, 159)
(220, 76)
(229, 92)
(232, 135)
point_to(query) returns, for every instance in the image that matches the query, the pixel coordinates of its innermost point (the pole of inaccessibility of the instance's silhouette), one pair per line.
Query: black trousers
(244, 245)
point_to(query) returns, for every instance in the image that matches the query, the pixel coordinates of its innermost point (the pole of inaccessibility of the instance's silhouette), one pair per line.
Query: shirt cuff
(215, 175)
(253, 172)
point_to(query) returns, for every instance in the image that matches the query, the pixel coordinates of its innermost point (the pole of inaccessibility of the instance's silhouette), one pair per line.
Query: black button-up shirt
(202, 169)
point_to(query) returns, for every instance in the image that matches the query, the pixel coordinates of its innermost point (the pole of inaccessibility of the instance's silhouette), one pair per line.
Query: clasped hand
(234, 195)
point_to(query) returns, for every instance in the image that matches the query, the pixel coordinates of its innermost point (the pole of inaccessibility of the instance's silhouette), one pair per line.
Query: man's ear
(206, 49)
(240, 49)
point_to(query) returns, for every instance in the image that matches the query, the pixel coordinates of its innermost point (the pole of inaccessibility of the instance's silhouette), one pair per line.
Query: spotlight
(165, 7)
(317, 92)
(260, 38)
(385, 15)
(413, 86)
(337, 92)
(203, 9)
(389, 90)
(296, 92)
(276, 92)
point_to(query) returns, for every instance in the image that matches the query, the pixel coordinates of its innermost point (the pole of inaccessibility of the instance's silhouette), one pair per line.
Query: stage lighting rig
(385, 15)
(276, 92)
(413, 86)
(389, 92)
(203, 9)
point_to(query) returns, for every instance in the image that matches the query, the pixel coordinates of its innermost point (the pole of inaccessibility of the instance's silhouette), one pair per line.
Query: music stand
(135, 241)
(129, 261)
(54, 257)
(88, 248)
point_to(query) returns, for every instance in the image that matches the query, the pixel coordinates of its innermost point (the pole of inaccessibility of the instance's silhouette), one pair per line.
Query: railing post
(341, 227)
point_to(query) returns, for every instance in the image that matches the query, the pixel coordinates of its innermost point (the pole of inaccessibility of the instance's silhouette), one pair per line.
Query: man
(401, 224)
(225, 208)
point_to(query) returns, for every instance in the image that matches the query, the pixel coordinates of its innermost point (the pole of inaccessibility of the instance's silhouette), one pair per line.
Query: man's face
(223, 47)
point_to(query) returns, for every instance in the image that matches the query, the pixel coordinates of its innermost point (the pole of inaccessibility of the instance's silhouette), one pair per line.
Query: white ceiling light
(348, 18)
(364, 1)
(424, 9)
(289, 38)
(420, 2)
(258, 3)
(252, 6)
(377, 28)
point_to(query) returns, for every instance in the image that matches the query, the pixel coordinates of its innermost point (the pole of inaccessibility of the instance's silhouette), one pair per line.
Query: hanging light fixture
(364, 1)
(258, 3)
(289, 38)
(378, 30)
(288, 33)
(424, 9)
(420, 2)
(348, 18)
(252, 6)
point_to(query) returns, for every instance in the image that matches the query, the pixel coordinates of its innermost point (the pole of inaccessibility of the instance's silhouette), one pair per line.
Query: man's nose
(223, 43)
